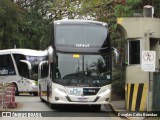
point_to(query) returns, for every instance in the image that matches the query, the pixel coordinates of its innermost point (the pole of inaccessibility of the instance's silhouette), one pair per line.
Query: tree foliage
(9, 18)
(24, 22)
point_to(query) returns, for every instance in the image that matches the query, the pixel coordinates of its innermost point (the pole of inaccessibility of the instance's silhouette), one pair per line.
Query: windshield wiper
(77, 67)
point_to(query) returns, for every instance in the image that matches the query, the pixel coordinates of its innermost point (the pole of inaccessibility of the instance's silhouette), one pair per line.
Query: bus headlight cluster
(33, 83)
(104, 92)
(60, 91)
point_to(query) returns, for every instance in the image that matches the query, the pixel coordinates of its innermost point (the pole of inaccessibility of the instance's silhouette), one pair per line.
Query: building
(142, 35)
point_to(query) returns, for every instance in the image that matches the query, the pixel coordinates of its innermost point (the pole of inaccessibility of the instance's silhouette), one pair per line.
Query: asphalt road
(27, 105)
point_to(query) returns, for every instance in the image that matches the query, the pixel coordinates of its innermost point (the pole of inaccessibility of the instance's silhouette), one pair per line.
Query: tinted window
(35, 60)
(20, 66)
(6, 65)
(83, 69)
(77, 34)
(44, 70)
(23, 69)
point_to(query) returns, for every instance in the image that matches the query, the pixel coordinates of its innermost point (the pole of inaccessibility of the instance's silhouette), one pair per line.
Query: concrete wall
(134, 74)
(138, 82)
(137, 26)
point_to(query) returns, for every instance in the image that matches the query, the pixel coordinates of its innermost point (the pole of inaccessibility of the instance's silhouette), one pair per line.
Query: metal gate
(156, 92)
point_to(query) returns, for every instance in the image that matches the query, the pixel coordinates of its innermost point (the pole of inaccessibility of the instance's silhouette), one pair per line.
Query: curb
(116, 110)
(129, 118)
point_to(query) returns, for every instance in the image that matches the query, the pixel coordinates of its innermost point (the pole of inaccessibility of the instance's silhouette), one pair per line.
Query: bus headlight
(33, 83)
(60, 91)
(104, 92)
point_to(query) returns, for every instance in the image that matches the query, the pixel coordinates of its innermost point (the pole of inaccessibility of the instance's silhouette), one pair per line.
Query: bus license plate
(82, 99)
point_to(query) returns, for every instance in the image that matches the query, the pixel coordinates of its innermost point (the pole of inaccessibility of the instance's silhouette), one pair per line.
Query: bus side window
(6, 65)
(17, 58)
(24, 70)
(51, 71)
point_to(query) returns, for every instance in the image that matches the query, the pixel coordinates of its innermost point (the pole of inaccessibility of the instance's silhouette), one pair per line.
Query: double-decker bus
(20, 66)
(79, 66)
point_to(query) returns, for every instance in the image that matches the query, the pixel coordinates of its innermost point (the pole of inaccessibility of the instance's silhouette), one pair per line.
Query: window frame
(129, 49)
(7, 63)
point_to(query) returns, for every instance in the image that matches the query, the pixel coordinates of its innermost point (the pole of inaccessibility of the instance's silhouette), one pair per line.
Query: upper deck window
(81, 35)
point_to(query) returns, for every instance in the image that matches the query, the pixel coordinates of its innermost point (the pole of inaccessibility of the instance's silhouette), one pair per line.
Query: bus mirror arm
(27, 63)
(28, 66)
(116, 54)
(50, 54)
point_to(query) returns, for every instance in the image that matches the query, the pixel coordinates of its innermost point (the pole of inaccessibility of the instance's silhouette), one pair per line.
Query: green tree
(24, 24)
(126, 8)
(9, 17)
(156, 4)
(32, 31)
(65, 9)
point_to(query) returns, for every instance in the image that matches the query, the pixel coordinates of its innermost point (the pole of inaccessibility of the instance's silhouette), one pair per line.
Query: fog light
(56, 98)
(60, 91)
(107, 99)
(104, 92)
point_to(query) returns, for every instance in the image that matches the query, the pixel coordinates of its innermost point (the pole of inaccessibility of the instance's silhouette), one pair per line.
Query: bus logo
(82, 45)
(7, 71)
(3, 72)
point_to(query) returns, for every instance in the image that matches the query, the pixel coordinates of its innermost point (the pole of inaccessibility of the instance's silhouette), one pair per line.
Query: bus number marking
(76, 91)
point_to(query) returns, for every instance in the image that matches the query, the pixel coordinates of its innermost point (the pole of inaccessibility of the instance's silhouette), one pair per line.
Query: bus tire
(95, 107)
(40, 94)
(16, 89)
(47, 93)
(35, 93)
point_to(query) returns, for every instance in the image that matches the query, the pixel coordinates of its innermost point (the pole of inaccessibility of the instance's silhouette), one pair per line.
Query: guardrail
(7, 96)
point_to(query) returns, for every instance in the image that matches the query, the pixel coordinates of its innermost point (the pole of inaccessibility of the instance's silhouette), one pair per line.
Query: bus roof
(30, 52)
(79, 21)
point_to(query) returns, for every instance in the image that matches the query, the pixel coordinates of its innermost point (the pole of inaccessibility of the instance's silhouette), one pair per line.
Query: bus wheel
(40, 94)
(35, 93)
(95, 107)
(47, 94)
(16, 89)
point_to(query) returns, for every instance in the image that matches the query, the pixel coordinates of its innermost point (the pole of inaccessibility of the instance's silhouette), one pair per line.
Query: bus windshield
(35, 60)
(23, 68)
(83, 70)
(90, 35)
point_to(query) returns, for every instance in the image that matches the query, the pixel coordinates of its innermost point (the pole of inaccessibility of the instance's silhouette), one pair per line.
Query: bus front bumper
(60, 97)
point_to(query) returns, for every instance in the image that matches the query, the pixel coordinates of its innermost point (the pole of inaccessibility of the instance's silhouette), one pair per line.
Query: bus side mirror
(43, 69)
(116, 54)
(25, 68)
(41, 64)
(50, 54)
(27, 63)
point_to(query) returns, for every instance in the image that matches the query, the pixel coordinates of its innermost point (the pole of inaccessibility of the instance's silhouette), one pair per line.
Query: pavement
(119, 108)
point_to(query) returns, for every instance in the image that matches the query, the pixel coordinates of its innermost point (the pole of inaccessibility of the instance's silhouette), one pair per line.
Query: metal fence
(7, 96)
